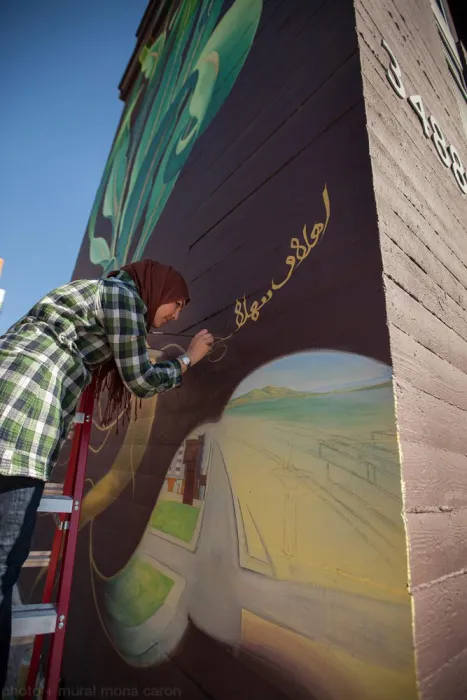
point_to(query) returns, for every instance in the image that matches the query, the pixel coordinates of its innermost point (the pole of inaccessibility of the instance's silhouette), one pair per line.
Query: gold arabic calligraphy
(302, 251)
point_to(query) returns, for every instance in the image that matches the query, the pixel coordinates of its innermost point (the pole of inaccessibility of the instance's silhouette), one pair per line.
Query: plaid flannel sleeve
(124, 323)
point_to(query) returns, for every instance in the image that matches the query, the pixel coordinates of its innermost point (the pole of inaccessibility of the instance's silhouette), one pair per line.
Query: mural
(280, 529)
(243, 538)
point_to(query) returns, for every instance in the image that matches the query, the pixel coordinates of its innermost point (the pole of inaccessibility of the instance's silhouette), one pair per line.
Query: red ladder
(49, 618)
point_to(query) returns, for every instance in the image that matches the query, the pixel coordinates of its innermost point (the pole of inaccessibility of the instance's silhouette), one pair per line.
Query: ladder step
(29, 620)
(38, 558)
(55, 504)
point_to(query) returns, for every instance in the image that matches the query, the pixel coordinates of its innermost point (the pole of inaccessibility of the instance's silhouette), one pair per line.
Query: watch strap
(185, 360)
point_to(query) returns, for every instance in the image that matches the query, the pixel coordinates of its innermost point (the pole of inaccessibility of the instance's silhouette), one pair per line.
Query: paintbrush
(172, 335)
(176, 335)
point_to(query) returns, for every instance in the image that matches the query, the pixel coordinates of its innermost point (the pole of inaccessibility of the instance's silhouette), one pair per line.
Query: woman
(83, 329)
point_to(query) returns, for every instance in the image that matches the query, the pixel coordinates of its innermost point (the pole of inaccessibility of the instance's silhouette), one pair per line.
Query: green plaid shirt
(47, 357)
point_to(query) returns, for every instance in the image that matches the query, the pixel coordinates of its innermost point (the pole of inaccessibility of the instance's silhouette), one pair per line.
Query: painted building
(187, 466)
(303, 164)
(176, 472)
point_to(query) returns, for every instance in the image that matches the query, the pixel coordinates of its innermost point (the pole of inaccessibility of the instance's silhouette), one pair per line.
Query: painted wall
(422, 210)
(242, 159)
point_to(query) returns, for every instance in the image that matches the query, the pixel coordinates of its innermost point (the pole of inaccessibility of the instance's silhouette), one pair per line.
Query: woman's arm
(122, 317)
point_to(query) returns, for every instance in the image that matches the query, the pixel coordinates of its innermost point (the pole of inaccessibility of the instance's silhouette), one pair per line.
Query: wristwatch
(185, 360)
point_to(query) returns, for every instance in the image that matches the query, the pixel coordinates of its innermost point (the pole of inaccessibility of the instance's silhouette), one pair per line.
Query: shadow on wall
(213, 669)
(245, 674)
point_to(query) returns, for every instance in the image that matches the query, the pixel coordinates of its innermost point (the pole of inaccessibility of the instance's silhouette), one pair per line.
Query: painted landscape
(323, 462)
(294, 548)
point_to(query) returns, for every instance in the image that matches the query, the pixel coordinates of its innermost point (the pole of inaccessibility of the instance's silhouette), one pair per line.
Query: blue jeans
(19, 500)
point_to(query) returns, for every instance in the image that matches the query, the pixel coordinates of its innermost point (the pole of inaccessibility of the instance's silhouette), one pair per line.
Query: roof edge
(151, 22)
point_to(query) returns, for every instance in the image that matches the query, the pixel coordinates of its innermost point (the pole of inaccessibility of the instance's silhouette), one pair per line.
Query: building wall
(242, 159)
(423, 229)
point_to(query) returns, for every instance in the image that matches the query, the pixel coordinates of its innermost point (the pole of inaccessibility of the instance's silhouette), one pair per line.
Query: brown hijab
(157, 284)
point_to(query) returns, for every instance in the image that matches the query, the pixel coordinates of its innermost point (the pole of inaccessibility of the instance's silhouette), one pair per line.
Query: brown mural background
(271, 218)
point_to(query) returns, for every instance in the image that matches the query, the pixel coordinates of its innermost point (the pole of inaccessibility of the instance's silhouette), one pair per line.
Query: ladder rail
(52, 679)
(51, 572)
(64, 547)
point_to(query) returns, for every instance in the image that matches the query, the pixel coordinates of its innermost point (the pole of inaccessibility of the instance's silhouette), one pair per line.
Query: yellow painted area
(315, 522)
(323, 670)
(125, 465)
(256, 548)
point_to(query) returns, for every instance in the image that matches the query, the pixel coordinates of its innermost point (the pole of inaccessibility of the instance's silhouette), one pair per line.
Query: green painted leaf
(151, 55)
(230, 45)
(135, 205)
(116, 183)
(99, 251)
(110, 166)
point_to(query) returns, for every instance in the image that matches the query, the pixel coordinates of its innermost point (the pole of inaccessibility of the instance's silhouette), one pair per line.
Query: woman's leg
(19, 500)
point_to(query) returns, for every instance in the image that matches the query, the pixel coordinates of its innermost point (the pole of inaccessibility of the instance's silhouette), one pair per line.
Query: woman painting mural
(84, 329)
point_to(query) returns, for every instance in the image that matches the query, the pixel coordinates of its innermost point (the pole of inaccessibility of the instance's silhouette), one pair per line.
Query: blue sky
(320, 371)
(60, 65)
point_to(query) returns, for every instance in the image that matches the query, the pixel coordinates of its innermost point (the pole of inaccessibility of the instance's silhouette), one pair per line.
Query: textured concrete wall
(423, 227)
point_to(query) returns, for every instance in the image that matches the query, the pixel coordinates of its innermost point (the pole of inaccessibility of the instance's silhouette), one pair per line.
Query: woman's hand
(200, 346)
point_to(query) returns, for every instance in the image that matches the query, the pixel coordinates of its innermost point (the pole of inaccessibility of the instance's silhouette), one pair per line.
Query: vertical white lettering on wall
(447, 153)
